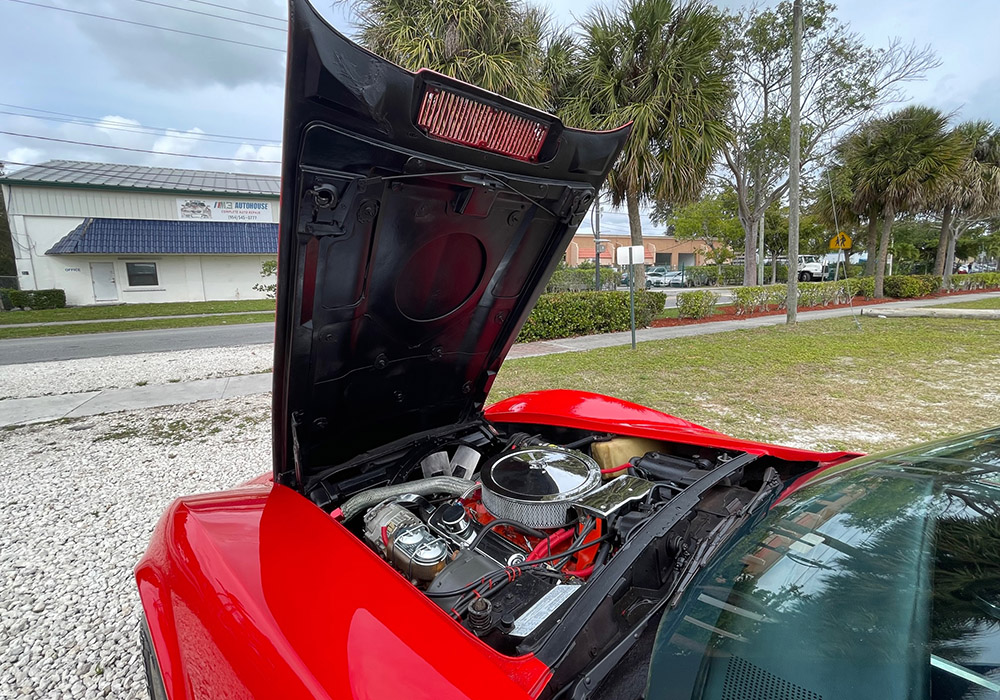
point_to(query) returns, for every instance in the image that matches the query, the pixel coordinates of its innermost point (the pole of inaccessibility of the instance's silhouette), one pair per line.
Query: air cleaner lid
(541, 474)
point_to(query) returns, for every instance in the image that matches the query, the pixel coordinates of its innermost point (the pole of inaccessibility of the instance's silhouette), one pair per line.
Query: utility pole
(596, 226)
(792, 300)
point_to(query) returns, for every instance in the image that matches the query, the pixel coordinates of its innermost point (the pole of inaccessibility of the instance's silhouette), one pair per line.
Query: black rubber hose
(510, 523)
(576, 444)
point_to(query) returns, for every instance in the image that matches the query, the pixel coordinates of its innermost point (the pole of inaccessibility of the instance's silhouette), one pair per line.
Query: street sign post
(631, 255)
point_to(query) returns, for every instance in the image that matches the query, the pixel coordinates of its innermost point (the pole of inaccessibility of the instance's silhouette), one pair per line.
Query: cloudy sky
(94, 80)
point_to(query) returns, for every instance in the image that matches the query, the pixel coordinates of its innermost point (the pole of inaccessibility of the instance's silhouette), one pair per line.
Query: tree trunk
(794, 154)
(949, 258)
(942, 249)
(774, 267)
(872, 245)
(883, 251)
(749, 252)
(635, 232)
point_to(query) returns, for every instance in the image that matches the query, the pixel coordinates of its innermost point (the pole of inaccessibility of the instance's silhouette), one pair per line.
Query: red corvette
(411, 542)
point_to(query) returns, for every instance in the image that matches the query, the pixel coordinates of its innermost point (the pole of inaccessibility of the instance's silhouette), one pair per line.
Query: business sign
(196, 208)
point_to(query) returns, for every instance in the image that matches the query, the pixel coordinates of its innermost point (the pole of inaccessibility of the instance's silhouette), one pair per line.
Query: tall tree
(972, 195)
(501, 45)
(901, 163)
(712, 220)
(657, 64)
(843, 83)
(794, 166)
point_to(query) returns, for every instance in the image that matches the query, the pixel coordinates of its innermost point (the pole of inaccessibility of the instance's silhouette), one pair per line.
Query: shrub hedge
(575, 279)
(36, 298)
(909, 286)
(566, 314)
(714, 274)
(698, 304)
(977, 280)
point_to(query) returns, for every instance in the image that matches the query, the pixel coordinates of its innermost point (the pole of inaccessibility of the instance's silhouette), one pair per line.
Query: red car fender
(595, 412)
(257, 593)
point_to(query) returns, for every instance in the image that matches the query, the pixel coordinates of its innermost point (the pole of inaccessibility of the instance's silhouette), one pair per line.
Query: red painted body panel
(587, 411)
(256, 592)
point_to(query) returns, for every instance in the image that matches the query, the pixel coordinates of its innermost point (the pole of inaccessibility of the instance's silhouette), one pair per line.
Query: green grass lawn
(991, 303)
(121, 326)
(90, 313)
(823, 384)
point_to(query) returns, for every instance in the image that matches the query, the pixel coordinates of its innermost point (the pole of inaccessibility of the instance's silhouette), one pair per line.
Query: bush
(37, 298)
(579, 279)
(909, 286)
(977, 280)
(697, 304)
(566, 314)
(703, 275)
(748, 300)
(860, 287)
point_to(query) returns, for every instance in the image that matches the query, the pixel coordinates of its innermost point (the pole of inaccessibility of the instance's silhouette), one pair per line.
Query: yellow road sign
(840, 242)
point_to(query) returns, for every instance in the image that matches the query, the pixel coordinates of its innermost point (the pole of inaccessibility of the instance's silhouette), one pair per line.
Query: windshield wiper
(721, 533)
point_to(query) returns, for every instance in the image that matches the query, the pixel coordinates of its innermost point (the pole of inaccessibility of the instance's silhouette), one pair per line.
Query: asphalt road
(73, 347)
(18, 351)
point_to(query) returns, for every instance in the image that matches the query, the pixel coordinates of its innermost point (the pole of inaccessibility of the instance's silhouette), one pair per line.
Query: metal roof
(145, 236)
(73, 173)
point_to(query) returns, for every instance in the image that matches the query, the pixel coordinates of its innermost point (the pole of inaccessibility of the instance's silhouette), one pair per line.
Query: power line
(151, 181)
(210, 14)
(150, 26)
(137, 150)
(236, 9)
(137, 129)
(153, 128)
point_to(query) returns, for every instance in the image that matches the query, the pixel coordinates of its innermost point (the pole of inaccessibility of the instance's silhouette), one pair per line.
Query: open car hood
(421, 218)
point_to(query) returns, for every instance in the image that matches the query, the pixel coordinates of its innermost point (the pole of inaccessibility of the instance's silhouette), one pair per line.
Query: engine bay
(505, 527)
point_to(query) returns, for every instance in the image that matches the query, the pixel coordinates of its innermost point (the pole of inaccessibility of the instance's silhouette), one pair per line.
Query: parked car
(677, 278)
(411, 542)
(656, 279)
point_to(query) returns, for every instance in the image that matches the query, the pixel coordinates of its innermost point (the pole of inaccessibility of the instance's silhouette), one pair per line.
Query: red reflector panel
(452, 117)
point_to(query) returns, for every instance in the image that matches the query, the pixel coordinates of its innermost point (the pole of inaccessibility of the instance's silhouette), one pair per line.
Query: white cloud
(259, 153)
(23, 154)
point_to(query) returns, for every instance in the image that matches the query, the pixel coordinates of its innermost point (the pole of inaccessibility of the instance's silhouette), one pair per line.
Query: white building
(111, 234)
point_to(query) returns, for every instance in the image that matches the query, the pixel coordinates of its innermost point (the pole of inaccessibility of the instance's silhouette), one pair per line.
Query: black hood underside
(407, 261)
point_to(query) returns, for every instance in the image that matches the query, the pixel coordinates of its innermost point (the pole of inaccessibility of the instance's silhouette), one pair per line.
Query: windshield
(882, 582)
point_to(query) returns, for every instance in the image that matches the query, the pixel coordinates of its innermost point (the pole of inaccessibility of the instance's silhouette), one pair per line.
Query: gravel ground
(79, 501)
(123, 371)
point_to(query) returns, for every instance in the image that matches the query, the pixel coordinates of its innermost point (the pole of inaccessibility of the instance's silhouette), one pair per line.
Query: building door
(103, 275)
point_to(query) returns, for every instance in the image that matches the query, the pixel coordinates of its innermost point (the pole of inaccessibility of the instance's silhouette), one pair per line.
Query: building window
(141, 274)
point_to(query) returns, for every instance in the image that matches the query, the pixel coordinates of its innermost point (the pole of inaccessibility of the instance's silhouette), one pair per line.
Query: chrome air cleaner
(537, 486)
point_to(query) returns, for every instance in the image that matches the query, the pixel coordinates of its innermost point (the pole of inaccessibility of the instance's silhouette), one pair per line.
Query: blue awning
(146, 236)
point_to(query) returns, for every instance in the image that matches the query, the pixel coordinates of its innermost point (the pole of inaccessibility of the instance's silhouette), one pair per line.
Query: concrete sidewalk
(934, 312)
(49, 408)
(221, 314)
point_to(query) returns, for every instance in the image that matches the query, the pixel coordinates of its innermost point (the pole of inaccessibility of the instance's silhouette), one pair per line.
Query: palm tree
(834, 204)
(900, 163)
(973, 194)
(499, 45)
(657, 64)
